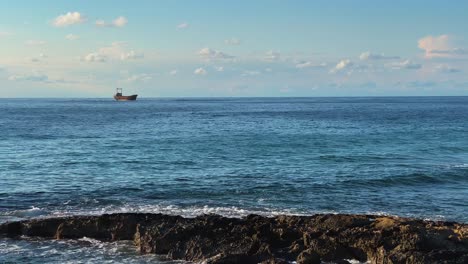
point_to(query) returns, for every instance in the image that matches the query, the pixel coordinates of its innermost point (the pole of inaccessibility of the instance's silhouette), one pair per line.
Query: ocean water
(405, 156)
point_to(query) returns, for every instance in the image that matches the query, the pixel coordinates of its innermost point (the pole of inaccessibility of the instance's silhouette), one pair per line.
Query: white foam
(27, 213)
(92, 242)
(185, 211)
(6, 247)
(72, 251)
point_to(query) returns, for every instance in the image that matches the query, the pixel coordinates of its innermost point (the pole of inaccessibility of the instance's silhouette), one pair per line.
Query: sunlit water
(401, 156)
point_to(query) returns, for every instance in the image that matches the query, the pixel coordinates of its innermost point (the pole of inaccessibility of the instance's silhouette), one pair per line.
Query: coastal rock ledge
(257, 239)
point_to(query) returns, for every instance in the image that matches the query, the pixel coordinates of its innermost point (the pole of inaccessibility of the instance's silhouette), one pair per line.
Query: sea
(404, 156)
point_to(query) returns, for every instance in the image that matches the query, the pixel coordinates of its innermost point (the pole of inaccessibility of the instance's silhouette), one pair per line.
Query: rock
(385, 223)
(257, 239)
(308, 257)
(343, 261)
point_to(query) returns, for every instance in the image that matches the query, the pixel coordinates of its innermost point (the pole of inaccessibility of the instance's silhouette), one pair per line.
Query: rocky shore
(257, 239)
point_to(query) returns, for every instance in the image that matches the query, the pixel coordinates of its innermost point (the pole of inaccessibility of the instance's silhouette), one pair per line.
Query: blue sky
(241, 48)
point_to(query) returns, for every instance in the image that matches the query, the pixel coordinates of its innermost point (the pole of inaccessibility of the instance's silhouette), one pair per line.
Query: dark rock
(343, 261)
(257, 239)
(308, 257)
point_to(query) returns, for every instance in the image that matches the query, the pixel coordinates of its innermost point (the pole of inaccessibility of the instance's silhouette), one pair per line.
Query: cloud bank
(440, 47)
(116, 51)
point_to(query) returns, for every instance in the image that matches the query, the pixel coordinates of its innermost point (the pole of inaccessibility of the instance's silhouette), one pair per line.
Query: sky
(233, 48)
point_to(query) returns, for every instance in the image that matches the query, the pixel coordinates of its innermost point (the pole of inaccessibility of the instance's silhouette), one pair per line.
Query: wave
(86, 250)
(27, 213)
(413, 179)
(194, 211)
(169, 209)
(185, 211)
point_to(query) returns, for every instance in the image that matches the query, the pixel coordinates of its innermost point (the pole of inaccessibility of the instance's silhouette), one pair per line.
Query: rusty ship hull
(125, 97)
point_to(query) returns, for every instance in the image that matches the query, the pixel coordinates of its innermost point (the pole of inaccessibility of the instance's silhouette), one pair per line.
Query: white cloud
(272, 56)
(68, 19)
(183, 26)
(440, 46)
(342, 65)
(219, 68)
(210, 54)
(232, 41)
(132, 55)
(309, 64)
(95, 57)
(34, 77)
(35, 42)
(430, 43)
(139, 78)
(374, 56)
(173, 72)
(116, 51)
(118, 22)
(200, 71)
(406, 64)
(72, 37)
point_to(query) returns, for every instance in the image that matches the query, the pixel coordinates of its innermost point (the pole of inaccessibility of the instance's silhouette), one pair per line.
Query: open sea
(405, 156)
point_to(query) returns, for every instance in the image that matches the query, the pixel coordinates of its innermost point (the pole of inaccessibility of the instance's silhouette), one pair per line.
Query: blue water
(405, 156)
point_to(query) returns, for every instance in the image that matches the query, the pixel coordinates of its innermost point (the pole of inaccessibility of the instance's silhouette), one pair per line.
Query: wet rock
(257, 239)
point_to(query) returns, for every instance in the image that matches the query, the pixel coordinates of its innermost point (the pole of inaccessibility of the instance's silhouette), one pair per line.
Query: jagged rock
(257, 239)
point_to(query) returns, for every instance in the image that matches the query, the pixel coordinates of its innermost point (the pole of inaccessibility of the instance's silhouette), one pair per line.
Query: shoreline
(255, 238)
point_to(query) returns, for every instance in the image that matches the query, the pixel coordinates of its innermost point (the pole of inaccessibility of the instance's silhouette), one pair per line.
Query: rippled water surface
(403, 156)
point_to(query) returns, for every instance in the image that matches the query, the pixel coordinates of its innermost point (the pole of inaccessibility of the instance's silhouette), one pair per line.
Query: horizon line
(236, 97)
